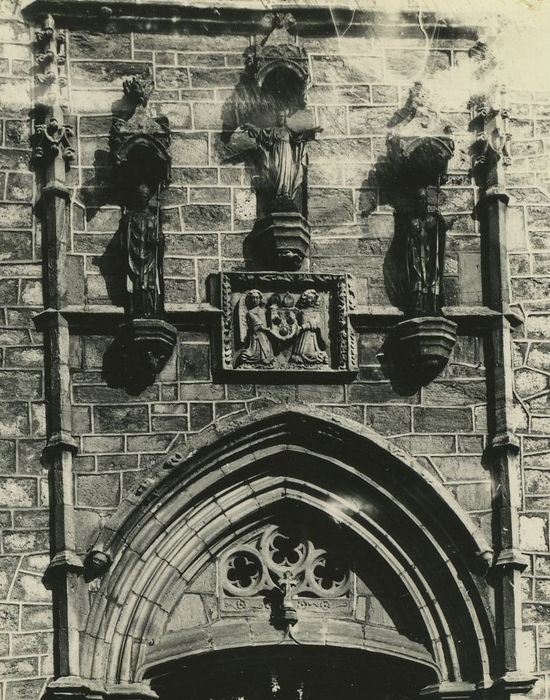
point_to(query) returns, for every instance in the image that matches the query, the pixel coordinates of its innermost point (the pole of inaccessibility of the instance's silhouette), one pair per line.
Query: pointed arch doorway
(390, 597)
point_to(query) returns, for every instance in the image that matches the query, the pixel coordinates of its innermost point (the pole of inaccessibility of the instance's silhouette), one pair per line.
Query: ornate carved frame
(341, 333)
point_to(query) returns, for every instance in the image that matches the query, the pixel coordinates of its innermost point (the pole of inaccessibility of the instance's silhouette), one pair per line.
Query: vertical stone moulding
(278, 66)
(420, 346)
(52, 155)
(139, 149)
(491, 153)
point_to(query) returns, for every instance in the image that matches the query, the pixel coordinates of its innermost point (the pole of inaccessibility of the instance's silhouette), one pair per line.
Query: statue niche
(424, 341)
(139, 149)
(278, 66)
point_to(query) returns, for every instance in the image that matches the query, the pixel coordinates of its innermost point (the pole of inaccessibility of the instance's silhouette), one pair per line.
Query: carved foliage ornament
(493, 139)
(52, 137)
(287, 321)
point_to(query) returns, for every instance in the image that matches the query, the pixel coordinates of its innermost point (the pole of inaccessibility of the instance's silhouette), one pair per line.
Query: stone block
(29, 689)
(346, 69)
(195, 176)
(158, 442)
(208, 115)
(370, 120)
(97, 490)
(533, 533)
(91, 74)
(194, 361)
(15, 245)
(14, 418)
(103, 443)
(21, 383)
(454, 393)
(18, 667)
(20, 187)
(206, 217)
(172, 78)
(178, 291)
(388, 420)
(124, 419)
(189, 149)
(25, 541)
(215, 77)
(15, 216)
(442, 420)
(349, 150)
(329, 206)
(200, 415)
(86, 44)
(30, 589)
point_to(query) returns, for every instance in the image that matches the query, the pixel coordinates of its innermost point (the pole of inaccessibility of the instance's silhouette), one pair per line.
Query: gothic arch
(230, 478)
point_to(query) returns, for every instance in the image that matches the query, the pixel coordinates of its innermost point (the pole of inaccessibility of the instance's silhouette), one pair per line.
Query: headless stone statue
(282, 150)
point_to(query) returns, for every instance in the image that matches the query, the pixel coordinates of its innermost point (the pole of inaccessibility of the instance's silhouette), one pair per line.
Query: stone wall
(359, 90)
(25, 605)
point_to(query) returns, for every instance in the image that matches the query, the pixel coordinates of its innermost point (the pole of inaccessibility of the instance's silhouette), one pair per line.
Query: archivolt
(231, 478)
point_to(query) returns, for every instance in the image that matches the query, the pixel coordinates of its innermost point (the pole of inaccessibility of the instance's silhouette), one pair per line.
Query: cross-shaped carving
(287, 583)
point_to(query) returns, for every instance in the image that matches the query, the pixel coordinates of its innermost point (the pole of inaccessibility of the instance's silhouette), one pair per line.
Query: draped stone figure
(282, 150)
(425, 258)
(254, 332)
(143, 245)
(310, 346)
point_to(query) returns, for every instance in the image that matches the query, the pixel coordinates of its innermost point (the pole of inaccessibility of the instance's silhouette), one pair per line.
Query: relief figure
(254, 332)
(310, 346)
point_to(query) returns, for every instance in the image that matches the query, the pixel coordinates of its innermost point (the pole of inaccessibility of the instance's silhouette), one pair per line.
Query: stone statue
(254, 332)
(282, 150)
(425, 258)
(143, 245)
(310, 345)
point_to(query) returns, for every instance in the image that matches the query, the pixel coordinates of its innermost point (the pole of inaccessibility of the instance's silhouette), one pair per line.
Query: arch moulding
(232, 477)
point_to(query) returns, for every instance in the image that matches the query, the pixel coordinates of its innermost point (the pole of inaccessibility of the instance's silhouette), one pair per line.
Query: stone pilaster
(51, 155)
(491, 155)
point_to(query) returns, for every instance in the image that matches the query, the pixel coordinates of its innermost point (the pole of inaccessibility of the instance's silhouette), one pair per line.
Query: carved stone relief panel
(282, 573)
(292, 322)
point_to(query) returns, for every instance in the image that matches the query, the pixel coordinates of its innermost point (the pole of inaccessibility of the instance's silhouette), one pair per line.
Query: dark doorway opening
(290, 672)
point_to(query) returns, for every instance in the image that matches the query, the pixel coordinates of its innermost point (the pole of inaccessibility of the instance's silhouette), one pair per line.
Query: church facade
(275, 343)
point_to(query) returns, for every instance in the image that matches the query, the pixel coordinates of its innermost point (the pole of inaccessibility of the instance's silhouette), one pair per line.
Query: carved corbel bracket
(419, 161)
(53, 139)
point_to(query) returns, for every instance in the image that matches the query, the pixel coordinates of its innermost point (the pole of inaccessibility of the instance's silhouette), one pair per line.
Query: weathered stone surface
(190, 149)
(98, 490)
(85, 44)
(346, 69)
(442, 420)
